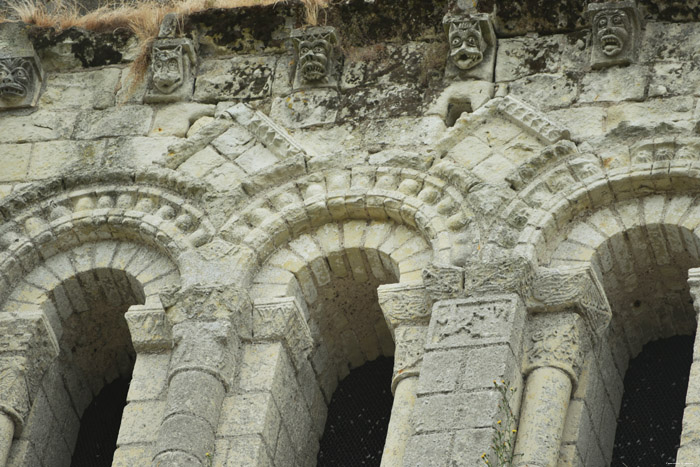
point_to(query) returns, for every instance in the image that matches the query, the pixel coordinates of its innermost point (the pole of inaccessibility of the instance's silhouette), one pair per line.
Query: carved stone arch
(406, 197)
(637, 231)
(157, 208)
(83, 294)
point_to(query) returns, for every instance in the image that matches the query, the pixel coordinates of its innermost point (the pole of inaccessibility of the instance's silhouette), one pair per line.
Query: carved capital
(281, 319)
(616, 29)
(21, 75)
(404, 303)
(408, 355)
(207, 346)
(443, 282)
(576, 290)
(316, 57)
(150, 328)
(209, 303)
(505, 275)
(556, 340)
(27, 348)
(472, 43)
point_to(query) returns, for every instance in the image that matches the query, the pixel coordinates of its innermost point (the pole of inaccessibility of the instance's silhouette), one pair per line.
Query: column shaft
(400, 426)
(7, 430)
(545, 402)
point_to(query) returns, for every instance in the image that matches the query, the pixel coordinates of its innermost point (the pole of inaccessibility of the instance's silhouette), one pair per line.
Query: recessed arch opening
(334, 273)
(85, 293)
(642, 260)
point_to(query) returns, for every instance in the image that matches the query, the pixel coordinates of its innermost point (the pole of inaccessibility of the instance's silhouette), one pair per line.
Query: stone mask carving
(616, 33)
(467, 45)
(168, 69)
(472, 43)
(15, 78)
(613, 31)
(315, 51)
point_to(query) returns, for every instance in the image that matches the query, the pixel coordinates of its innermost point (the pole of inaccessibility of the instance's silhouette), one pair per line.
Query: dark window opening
(650, 422)
(99, 427)
(358, 417)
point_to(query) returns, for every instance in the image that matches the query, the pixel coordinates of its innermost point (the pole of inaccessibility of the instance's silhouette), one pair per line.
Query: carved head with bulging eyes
(168, 69)
(612, 29)
(15, 77)
(467, 44)
(314, 57)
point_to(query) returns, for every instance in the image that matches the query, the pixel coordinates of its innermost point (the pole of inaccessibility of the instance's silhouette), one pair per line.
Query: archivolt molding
(405, 197)
(61, 214)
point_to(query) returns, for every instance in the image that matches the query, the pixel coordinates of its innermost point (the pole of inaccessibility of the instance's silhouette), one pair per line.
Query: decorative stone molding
(282, 319)
(173, 61)
(27, 348)
(404, 304)
(578, 290)
(556, 340)
(150, 329)
(531, 120)
(472, 42)
(274, 137)
(443, 282)
(316, 57)
(616, 32)
(512, 274)
(21, 75)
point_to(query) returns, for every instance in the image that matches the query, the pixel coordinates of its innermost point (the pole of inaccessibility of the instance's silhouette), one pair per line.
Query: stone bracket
(21, 68)
(281, 319)
(576, 289)
(317, 57)
(470, 60)
(616, 32)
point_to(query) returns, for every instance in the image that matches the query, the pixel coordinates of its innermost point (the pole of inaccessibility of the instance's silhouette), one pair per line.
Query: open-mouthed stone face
(612, 31)
(466, 44)
(15, 77)
(313, 59)
(168, 69)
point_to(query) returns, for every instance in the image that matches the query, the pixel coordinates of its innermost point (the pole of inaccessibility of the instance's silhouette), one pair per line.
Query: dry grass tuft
(143, 18)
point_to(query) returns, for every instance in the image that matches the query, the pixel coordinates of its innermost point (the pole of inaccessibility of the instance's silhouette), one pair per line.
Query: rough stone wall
(541, 237)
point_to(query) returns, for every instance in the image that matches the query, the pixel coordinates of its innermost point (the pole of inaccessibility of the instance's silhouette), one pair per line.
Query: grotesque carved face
(15, 77)
(168, 69)
(314, 56)
(613, 29)
(466, 44)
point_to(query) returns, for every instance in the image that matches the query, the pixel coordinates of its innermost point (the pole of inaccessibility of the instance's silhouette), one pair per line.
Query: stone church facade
(487, 191)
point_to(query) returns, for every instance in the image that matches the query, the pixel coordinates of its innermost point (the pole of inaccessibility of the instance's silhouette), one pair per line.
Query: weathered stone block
(469, 445)
(447, 412)
(476, 321)
(88, 89)
(119, 121)
(307, 108)
(140, 422)
(149, 377)
(250, 414)
(237, 78)
(242, 451)
(615, 84)
(428, 450)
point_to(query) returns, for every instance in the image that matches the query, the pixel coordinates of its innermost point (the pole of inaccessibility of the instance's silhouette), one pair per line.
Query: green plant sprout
(504, 431)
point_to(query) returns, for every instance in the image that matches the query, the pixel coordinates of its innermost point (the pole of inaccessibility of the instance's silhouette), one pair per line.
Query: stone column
(568, 308)
(554, 357)
(27, 348)
(406, 309)
(689, 451)
(206, 326)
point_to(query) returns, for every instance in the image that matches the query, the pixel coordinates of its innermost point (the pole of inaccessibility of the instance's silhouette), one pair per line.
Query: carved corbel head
(316, 57)
(21, 75)
(173, 60)
(472, 43)
(616, 33)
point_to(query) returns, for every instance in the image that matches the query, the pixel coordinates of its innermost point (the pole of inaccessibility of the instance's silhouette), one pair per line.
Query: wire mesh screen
(651, 415)
(358, 417)
(99, 427)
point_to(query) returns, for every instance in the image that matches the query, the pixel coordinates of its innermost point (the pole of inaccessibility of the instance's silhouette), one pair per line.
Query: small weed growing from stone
(504, 431)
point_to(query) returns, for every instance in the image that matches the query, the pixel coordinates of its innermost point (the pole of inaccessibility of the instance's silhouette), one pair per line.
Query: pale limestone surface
(238, 260)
